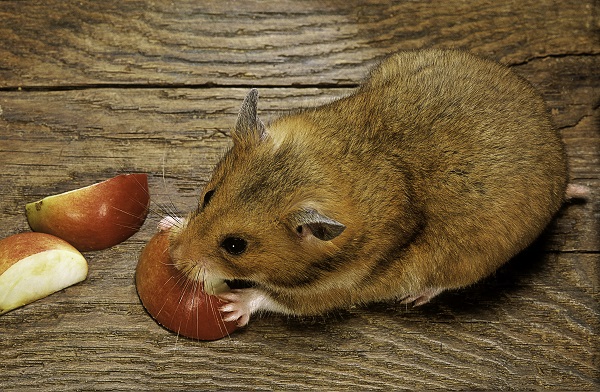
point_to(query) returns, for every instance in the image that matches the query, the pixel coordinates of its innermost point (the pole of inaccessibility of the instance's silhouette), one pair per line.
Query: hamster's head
(266, 216)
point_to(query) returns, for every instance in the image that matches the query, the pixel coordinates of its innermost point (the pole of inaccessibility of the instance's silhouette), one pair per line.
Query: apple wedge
(94, 217)
(174, 301)
(35, 265)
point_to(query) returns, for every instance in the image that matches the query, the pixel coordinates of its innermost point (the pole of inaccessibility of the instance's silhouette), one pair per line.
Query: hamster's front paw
(422, 297)
(169, 221)
(241, 303)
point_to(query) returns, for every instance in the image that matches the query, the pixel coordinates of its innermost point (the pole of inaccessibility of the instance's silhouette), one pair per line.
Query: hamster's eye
(207, 196)
(234, 245)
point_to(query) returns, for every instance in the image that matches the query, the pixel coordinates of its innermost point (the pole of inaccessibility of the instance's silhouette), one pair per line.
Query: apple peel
(94, 217)
(174, 301)
(35, 265)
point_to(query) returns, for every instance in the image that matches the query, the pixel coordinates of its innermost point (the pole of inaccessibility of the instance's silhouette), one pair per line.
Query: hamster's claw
(238, 307)
(422, 297)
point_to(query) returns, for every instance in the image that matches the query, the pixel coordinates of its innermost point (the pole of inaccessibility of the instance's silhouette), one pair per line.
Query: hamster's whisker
(166, 296)
(164, 183)
(213, 307)
(172, 263)
(170, 209)
(186, 287)
(125, 212)
(142, 186)
(194, 288)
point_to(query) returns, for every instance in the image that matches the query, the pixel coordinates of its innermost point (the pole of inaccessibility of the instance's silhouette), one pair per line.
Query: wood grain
(92, 89)
(281, 43)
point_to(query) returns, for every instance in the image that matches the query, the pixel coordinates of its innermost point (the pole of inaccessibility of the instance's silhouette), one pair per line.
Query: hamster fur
(438, 169)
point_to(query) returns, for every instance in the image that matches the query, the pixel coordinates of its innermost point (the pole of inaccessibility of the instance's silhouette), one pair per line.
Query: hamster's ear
(248, 127)
(308, 221)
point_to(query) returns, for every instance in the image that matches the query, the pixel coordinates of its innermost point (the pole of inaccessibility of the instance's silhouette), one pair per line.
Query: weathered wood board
(90, 89)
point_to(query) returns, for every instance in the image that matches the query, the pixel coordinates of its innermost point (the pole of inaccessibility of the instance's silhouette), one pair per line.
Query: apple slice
(174, 301)
(94, 217)
(35, 265)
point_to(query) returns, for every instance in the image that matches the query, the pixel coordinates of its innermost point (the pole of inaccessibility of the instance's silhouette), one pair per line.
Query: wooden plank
(111, 87)
(283, 43)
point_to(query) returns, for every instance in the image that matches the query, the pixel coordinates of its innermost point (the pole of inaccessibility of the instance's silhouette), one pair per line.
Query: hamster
(439, 168)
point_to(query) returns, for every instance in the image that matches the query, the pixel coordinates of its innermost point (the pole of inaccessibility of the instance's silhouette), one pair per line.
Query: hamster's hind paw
(422, 297)
(241, 303)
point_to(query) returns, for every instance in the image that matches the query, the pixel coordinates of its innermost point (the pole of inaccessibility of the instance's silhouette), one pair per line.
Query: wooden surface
(91, 89)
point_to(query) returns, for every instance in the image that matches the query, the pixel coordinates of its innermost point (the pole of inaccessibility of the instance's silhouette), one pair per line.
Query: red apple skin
(94, 217)
(173, 300)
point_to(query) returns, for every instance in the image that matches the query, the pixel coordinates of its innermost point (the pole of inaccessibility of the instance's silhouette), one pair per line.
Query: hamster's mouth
(239, 283)
(213, 286)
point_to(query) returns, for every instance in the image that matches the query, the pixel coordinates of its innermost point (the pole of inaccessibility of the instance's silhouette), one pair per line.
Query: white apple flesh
(35, 265)
(94, 217)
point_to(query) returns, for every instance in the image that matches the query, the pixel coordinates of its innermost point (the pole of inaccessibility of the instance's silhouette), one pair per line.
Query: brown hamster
(438, 169)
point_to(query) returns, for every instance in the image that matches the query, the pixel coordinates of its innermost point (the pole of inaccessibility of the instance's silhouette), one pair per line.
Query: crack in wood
(154, 86)
(553, 56)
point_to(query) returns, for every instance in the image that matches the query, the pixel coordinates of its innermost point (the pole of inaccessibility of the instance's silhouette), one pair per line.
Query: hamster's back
(487, 168)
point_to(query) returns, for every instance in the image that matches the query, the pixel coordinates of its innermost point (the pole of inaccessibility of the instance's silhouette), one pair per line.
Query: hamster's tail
(577, 192)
